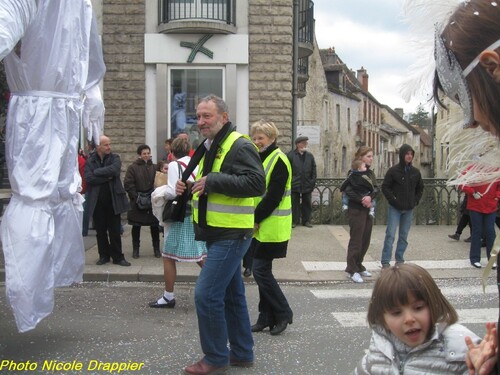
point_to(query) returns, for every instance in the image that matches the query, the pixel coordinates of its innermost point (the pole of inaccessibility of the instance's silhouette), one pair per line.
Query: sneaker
(455, 236)
(365, 273)
(308, 224)
(494, 266)
(356, 277)
(344, 208)
(476, 265)
(385, 265)
(468, 240)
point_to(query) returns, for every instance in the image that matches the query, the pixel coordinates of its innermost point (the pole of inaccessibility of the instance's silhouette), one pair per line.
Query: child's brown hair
(396, 284)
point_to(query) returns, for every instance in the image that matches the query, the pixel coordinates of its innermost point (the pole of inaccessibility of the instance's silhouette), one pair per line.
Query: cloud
(370, 34)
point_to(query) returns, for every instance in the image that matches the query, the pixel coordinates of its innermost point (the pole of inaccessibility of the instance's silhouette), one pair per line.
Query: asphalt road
(97, 327)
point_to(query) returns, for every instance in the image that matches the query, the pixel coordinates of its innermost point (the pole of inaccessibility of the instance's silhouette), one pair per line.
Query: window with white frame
(186, 87)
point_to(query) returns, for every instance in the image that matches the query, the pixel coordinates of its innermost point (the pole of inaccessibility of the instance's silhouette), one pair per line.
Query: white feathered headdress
(467, 147)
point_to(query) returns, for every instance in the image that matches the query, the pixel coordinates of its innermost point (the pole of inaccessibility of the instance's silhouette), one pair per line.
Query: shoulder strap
(185, 166)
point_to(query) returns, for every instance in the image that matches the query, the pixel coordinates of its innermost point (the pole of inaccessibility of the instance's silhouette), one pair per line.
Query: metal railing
(306, 21)
(211, 10)
(439, 204)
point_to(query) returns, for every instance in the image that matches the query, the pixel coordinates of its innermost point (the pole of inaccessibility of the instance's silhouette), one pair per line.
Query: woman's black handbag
(143, 200)
(175, 209)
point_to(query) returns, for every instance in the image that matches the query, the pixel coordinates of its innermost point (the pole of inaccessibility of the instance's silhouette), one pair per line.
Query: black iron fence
(211, 10)
(439, 204)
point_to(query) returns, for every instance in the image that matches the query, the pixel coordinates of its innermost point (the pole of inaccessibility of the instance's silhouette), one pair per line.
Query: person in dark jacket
(361, 191)
(402, 187)
(107, 199)
(303, 182)
(230, 175)
(272, 229)
(139, 178)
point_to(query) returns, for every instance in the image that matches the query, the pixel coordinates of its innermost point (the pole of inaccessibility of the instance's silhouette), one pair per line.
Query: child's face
(164, 168)
(410, 323)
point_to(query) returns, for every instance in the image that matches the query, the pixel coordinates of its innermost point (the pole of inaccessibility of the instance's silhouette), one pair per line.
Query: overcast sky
(368, 33)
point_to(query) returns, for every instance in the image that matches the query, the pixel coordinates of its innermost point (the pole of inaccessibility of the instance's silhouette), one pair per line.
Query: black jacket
(357, 186)
(106, 172)
(139, 177)
(303, 171)
(403, 185)
(241, 175)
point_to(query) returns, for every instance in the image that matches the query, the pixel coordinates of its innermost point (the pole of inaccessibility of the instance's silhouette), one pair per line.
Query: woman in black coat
(140, 177)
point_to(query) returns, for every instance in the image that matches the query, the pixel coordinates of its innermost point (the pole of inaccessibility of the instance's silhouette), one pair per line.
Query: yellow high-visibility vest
(224, 211)
(277, 227)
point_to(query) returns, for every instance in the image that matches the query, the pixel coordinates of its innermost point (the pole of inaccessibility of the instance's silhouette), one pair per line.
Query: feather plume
(422, 18)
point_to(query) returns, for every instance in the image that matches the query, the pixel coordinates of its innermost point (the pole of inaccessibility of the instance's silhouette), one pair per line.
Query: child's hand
(481, 359)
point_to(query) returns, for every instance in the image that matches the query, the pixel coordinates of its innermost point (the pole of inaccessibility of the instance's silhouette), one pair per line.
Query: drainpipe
(295, 68)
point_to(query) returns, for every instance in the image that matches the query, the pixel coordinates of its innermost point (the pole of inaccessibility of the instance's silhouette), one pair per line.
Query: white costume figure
(53, 79)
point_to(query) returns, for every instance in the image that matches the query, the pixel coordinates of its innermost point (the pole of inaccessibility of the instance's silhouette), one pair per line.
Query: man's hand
(199, 186)
(481, 359)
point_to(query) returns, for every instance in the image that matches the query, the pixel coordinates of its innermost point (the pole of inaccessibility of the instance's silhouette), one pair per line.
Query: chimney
(330, 57)
(399, 112)
(363, 78)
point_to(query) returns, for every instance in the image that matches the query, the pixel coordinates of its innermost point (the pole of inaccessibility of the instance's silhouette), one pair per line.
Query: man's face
(210, 121)
(301, 146)
(104, 147)
(408, 157)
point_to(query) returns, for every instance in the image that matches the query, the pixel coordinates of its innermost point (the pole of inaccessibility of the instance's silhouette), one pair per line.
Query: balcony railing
(197, 10)
(306, 27)
(439, 204)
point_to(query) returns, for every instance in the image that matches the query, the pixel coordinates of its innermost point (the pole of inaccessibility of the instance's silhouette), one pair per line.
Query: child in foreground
(414, 329)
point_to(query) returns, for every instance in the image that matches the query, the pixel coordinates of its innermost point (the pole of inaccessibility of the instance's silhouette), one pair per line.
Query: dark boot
(135, 249)
(156, 248)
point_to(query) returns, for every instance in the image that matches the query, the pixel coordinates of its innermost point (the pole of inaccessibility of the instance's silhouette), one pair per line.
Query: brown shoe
(203, 368)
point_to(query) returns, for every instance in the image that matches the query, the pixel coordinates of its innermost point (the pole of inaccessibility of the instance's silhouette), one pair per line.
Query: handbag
(143, 200)
(175, 209)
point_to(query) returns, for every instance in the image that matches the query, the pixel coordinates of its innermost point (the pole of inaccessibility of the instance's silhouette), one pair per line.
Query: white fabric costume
(54, 80)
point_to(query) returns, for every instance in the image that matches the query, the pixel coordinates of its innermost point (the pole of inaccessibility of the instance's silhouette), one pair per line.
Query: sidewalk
(314, 255)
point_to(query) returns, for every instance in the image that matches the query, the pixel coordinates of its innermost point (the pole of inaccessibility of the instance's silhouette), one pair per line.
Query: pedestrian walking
(462, 222)
(482, 203)
(230, 175)
(272, 229)
(403, 188)
(303, 182)
(180, 244)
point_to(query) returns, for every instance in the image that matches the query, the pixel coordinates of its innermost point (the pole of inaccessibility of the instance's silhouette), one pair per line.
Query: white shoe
(476, 265)
(356, 277)
(365, 274)
(494, 267)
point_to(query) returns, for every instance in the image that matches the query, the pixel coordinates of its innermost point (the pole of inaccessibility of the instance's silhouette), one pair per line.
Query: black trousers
(273, 305)
(463, 222)
(301, 207)
(107, 227)
(155, 234)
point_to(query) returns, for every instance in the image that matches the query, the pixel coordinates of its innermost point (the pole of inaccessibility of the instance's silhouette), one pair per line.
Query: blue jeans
(221, 305)
(395, 218)
(482, 225)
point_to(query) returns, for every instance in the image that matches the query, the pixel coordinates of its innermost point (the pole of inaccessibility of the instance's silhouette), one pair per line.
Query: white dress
(53, 79)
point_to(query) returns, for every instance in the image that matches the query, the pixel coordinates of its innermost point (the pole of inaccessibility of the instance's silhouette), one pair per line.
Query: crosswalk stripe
(366, 293)
(465, 316)
(427, 264)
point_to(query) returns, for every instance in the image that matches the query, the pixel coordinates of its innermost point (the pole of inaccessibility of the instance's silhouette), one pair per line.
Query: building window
(214, 10)
(348, 119)
(337, 109)
(186, 87)
(344, 159)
